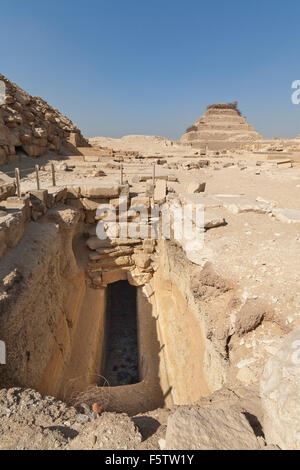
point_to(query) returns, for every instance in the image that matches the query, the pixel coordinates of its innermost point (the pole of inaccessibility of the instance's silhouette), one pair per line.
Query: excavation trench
(130, 347)
(121, 358)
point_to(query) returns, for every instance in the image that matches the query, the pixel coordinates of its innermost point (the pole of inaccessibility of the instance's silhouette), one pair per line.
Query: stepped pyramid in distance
(221, 127)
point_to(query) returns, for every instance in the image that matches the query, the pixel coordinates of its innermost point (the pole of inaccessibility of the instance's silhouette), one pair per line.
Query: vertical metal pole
(53, 174)
(153, 174)
(17, 174)
(121, 174)
(37, 177)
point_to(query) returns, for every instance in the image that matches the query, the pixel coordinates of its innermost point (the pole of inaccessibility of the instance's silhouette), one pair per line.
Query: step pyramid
(221, 127)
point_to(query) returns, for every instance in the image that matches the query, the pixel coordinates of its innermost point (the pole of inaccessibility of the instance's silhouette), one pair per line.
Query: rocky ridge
(29, 124)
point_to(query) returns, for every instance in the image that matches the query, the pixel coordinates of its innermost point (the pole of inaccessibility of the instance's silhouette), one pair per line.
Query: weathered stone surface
(95, 243)
(288, 216)
(28, 437)
(195, 187)
(91, 205)
(249, 317)
(142, 260)
(160, 192)
(58, 194)
(280, 395)
(111, 263)
(100, 190)
(114, 275)
(138, 278)
(39, 195)
(73, 192)
(212, 220)
(238, 204)
(202, 429)
(7, 186)
(105, 254)
(12, 228)
(109, 432)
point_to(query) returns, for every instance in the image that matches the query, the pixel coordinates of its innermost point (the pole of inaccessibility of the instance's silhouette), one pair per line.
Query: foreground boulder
(202, 429)
(280, 395)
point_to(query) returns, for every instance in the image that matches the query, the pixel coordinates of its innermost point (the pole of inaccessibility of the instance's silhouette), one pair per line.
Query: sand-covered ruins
(141, 341)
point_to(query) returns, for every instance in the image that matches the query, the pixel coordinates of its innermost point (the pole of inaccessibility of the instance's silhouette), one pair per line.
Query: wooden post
(37, 177)
(53, 174)
(17, 174)
(153, 174)
(121, 175)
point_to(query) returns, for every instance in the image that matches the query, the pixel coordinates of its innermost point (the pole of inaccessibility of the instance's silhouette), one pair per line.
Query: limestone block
(13, 227)
(111, 263)
(212, 220)
(74, 203)
(138, 278)
(91, 205)
(288, 216)
(58, 194)
(160, 192)
(38, 195)
(114, 275)
(6, 189)
(22, 204)
(150, 189)
(91, 158)
(203, 429)
(14, 137)
(237, 205)
(137, 201)
(105, 254)
(100, 190)
(280, 395)
(34, 150)
(95, 243)
(39, 132)
(196, 187)
(73, 192)
(141, 260)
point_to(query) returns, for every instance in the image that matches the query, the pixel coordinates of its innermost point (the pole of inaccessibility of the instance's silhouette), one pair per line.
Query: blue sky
(151, 67)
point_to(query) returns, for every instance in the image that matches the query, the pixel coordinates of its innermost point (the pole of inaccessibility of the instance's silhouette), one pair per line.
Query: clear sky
(119, 67)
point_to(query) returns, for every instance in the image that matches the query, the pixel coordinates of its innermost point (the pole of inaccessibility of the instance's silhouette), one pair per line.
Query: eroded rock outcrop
(30, 124)
(221, 127)
(280, 394)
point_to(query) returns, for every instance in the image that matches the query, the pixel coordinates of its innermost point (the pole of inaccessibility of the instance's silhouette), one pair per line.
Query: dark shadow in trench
(121, 363)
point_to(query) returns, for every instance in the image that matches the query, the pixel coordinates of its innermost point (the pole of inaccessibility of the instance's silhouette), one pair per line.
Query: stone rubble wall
(110, 260)
(29, 124)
